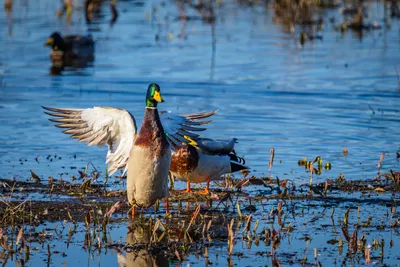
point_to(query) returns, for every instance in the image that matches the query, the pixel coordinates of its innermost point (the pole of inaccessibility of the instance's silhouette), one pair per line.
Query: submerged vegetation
(307, 19)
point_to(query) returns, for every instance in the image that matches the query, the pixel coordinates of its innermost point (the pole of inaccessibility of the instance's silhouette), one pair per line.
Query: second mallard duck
(205, 160)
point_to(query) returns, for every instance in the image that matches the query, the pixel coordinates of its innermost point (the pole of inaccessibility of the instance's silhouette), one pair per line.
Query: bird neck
(151, 121)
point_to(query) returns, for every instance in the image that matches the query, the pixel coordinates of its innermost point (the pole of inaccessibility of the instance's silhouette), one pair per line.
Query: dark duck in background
(71, 51)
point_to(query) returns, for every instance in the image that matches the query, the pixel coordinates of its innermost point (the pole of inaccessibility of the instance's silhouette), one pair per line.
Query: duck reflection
(141, 258)
(138, 238)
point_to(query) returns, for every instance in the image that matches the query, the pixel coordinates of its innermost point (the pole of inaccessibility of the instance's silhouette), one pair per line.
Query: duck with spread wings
(146, 155)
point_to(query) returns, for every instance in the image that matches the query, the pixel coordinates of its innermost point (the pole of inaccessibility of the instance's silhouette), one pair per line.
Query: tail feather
(236, 166)
(237, 163)
(236, 158)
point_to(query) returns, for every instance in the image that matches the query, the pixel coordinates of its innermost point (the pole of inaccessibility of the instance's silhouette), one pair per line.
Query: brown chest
(184, 160)
(151, 134)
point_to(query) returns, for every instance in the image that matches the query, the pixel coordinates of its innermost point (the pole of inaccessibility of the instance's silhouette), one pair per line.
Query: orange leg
(133, 211)
(166, 207)
(188, 189)
(207, 190)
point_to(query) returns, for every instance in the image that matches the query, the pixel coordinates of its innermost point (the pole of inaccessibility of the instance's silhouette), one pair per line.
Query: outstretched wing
(100, 126)
(181, 128)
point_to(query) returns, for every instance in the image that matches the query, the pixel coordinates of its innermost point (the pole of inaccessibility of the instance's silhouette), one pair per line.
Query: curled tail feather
(237, 163)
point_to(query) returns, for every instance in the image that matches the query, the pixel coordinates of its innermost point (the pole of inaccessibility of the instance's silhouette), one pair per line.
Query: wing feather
(176, 126)
(100, 126)
(200, 115)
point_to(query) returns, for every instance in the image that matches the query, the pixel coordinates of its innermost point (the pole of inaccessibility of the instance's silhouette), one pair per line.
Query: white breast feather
(147, 176)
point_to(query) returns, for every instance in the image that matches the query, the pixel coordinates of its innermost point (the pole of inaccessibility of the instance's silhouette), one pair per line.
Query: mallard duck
(205, 160)
(150, 156)
(146, 155)
(68, 50)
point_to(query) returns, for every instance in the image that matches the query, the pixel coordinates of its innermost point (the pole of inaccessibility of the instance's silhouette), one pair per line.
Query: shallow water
(314, 229)
(305, 101)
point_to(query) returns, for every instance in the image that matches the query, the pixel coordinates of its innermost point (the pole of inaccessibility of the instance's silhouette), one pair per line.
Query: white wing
(176, 127)
(100, 126)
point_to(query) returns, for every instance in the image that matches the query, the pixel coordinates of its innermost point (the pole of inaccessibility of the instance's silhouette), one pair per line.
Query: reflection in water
(206, 10)
(275, 261)
(56, 70)
(139, 235)
(213, 50)
(58, 66)
(141, 258)
(183, 19)
(114, 12)
(92, 9)
(8, 10)
(8, 6)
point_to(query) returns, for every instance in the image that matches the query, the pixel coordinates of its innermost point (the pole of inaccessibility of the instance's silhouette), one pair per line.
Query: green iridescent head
(153, 96)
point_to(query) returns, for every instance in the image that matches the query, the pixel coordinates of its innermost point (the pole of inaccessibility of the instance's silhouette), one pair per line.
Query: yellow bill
(49, 42)
(157, 97)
